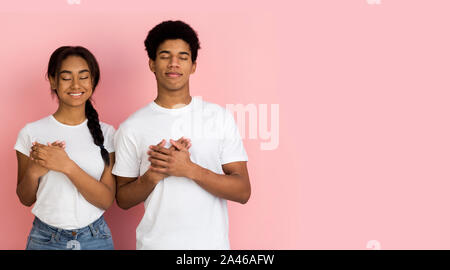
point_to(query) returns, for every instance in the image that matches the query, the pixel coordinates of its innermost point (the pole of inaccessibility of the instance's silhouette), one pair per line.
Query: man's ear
(151, 65)
(194, 67)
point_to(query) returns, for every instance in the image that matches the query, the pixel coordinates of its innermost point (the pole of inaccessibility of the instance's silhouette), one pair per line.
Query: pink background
(363, 90)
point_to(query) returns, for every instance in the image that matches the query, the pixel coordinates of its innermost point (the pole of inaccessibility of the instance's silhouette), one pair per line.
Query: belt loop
(58, 234)
(93, 231)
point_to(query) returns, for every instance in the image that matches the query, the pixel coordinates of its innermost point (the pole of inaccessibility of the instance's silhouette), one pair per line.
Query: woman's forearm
(95, 192)
(27, 188)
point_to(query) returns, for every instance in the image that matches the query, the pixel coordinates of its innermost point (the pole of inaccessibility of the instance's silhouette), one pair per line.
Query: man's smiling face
(173, 64)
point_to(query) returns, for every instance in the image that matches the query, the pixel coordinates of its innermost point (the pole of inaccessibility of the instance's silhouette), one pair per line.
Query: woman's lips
(76, 95)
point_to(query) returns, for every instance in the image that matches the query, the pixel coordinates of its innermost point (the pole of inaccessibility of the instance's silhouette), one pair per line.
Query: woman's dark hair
(54, 67)
(171, 30)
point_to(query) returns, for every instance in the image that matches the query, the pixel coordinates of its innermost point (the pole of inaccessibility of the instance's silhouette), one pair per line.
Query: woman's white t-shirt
(58, 202)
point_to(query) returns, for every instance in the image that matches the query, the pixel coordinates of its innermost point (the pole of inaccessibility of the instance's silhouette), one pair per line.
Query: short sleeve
(108, 135)
(232, 146)
(23, 143)
(127, 159)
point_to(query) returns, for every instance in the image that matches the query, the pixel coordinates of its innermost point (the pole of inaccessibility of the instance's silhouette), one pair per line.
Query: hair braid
(96, 132)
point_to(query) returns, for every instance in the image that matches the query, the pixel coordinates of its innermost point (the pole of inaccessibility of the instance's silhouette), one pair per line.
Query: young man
(185, 184)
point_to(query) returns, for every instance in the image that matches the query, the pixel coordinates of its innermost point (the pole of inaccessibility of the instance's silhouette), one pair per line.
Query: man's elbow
(245, 197)
(123, 204)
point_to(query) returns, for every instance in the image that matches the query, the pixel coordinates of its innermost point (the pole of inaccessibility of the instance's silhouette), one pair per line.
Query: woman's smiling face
(74, 83)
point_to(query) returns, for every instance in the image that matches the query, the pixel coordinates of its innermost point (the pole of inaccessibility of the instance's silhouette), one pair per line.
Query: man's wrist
(194, 172)
(150, 177)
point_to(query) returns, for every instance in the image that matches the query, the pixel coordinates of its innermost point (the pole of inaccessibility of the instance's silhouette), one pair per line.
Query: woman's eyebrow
(70, 72)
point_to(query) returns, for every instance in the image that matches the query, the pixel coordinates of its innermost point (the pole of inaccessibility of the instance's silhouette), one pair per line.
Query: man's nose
(174, 62)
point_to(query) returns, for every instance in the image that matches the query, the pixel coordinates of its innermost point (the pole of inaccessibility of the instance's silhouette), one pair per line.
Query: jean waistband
(42, 225)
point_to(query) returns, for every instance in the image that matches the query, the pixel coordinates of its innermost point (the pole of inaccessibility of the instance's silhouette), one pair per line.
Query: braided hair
(54, 66)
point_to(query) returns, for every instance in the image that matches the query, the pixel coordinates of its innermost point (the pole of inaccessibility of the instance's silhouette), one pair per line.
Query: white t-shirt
(179, 214)
(58, 202)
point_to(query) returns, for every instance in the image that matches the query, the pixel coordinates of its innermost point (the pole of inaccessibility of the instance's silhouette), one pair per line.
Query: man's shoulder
(137, 118)
(208, 106)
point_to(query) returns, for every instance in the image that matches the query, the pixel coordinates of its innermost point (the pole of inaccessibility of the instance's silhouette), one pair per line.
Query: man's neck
(173, 99)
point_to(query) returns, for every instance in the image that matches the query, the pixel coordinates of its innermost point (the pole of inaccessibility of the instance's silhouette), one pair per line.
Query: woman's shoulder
(107, 127)
(41, 123)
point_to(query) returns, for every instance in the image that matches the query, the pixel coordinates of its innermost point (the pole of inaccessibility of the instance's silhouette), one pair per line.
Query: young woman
(65, 161)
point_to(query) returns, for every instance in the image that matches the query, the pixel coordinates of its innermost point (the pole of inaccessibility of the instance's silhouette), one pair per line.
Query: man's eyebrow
(165, 51)
(84, 70)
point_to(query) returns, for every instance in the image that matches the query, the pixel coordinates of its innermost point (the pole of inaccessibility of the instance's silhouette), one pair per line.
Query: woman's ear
(53, 83)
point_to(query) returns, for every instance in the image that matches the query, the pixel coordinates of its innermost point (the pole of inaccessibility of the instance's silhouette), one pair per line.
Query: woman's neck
(70, 115)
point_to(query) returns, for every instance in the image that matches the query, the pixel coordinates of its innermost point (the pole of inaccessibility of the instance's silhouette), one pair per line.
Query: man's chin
(174, 88)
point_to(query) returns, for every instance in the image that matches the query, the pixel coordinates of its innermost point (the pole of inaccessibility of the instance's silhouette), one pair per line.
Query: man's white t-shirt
(58, 202)
(179, 214)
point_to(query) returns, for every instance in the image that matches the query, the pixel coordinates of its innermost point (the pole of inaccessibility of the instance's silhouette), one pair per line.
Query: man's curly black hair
(171, 30)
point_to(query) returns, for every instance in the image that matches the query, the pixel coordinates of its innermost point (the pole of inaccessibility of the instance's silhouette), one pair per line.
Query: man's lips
(173, 74)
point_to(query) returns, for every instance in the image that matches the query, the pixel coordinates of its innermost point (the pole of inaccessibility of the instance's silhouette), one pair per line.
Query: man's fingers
(160, 149)
(158, 170)
(184, 141)
(162, 143)
(159, 163)
(177, 145)
(157, 155)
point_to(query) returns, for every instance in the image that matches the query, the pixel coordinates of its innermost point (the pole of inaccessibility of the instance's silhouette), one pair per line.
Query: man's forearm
(134, 192)
(230, 187)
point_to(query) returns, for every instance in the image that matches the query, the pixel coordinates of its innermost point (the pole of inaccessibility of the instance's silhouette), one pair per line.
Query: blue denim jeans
(94, 236)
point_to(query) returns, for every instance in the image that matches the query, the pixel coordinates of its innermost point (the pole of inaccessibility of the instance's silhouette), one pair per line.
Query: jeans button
(74, 233)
